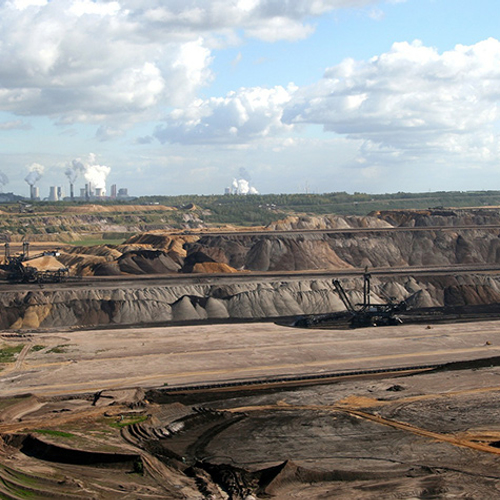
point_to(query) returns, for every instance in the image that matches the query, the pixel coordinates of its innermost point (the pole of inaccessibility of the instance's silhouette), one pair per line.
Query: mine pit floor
(428, 435)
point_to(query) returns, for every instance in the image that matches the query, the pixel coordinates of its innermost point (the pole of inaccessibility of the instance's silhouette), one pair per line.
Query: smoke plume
(3, 181)
(75, 168)
(244, 174)
(35, 173)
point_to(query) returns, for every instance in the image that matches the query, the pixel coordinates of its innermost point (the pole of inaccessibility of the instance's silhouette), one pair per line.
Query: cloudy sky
(182, 96)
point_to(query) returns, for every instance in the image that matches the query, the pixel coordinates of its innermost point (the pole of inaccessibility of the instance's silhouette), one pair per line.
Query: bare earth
(89, 361)
(77, 414)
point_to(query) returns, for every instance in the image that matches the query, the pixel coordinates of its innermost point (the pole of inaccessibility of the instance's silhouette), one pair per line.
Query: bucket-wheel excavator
(19, 270)
(366, 313)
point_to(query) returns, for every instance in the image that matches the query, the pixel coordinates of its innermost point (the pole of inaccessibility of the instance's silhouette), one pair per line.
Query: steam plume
(242, 185)
(93, 172)
(35, 173)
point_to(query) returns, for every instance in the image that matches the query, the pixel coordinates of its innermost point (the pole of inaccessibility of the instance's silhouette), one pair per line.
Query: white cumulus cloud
(97, 60)
(410, 101)
(241, 116)
(410, 104)
(79, 60)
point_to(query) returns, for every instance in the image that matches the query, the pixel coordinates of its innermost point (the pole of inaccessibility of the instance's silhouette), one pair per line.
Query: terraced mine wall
(294, 252)
(45, 308)
(388, 239)
(385, 244)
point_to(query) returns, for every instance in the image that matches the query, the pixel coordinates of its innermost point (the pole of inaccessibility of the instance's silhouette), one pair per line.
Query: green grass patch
(19, 492)
(21, 485)
(37, 348)
(50, 432)
(20, 477)
(8, 354)
(128, 421)
(59, 349)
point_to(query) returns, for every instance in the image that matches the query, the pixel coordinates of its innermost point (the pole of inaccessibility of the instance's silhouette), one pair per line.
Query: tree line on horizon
(262, 209)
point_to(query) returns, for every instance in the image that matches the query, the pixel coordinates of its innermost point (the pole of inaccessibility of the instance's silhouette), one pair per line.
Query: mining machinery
(19, 270)
(25, 208)
(356, 315)
(366, 313)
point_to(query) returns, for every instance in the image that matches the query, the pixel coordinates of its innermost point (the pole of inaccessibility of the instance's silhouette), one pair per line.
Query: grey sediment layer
(49, 308)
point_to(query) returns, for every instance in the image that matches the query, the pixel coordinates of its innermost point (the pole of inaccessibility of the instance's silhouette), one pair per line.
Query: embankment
(83, 306)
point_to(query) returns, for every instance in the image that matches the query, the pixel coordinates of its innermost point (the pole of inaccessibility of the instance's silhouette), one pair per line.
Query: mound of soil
(164, 241)
(99, 250)
(265, 253)
(213, 260)
(107, 269)
(147, 262)
(83, 264)
(213, 267)
(470, 295)
(45, 263)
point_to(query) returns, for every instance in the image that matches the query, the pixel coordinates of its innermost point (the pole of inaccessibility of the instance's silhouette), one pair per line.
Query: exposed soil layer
(247, 299)
(325, 443)
(72, 427)
(465, 237)
(294, 252)
(301, 243)
(431, 435)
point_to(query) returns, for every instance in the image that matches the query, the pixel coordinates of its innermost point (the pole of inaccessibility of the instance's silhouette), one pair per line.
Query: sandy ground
(87, 361)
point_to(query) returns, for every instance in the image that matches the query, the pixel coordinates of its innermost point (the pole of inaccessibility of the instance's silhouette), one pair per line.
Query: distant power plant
(94, 174)
(34, 175)
(87, 193)
(242, 185)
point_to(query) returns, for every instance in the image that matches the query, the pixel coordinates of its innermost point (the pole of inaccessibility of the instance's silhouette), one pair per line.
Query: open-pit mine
(218, 363)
